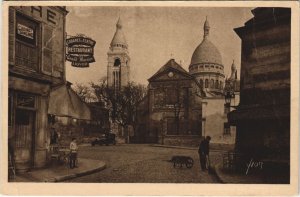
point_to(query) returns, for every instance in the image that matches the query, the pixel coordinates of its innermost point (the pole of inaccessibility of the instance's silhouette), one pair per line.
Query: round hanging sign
(80, 51)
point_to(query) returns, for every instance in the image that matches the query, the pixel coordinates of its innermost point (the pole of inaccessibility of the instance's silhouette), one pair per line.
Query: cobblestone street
(132, 163)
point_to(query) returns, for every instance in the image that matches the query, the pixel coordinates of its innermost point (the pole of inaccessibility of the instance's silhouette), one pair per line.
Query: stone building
(207, 68)
(263, 116)
(36, 64)
(118, 67)
(172, 108)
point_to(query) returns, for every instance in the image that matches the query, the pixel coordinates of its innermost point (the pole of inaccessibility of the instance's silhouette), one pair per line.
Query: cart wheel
(190, 163)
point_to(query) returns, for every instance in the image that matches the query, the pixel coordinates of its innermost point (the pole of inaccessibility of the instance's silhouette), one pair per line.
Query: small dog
(182, 160)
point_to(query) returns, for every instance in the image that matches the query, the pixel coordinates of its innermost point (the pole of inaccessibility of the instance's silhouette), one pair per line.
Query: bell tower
(118, 67)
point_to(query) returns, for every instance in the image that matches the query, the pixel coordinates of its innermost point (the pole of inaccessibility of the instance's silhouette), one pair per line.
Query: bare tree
(122, 103)
(84, 92)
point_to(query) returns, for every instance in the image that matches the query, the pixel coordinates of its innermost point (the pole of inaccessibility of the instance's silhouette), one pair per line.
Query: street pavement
(142, 163)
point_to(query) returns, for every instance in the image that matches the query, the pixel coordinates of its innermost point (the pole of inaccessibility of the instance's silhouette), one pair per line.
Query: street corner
(63, 173)
(85, 167)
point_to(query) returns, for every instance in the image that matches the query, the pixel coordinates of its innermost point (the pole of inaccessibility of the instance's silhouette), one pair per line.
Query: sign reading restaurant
(80, 51)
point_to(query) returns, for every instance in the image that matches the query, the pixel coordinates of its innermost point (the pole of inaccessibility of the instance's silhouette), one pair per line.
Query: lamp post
(228, 96)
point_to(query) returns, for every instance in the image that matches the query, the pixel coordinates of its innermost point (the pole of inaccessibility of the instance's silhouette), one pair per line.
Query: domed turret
(206, 52)
(233, 75)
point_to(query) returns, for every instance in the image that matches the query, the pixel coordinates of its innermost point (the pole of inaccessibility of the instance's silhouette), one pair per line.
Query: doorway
(25, 136)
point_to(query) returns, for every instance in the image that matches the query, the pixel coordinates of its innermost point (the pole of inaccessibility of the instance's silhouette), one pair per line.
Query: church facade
(170, 114)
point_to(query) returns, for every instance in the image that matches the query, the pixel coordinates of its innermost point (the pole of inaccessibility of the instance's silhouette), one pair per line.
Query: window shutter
(58, 53)
(47, 49)
(11, 39)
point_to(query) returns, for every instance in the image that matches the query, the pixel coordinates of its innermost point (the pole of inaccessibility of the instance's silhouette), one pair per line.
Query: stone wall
(181, 140)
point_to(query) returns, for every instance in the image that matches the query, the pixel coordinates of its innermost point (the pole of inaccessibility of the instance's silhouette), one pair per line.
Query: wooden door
(25, 139)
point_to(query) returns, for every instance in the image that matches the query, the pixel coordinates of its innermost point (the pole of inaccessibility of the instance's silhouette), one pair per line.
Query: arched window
(206, 83)
(212, 85)
(221, 85)
(117, 62)
(201, 83)
(217, 84)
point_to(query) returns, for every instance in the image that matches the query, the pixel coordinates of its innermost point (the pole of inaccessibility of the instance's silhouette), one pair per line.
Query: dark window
(201, 83)
(212, 85)
(226, 128)
(22, 117)
(217, 84)
(26, 42)
(117, 62)
(159, 97)
(171, 97)
(206, 83)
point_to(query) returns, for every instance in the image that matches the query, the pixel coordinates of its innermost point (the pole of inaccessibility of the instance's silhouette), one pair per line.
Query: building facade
(263, 116)
(36, 64)
(172, 108)
(118, 67)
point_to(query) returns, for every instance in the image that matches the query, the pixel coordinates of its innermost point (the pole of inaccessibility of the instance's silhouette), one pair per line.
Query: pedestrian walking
(203, 152)
(73, 153)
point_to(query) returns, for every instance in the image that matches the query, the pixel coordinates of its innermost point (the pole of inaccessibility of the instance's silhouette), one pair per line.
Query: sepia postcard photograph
(150, 98)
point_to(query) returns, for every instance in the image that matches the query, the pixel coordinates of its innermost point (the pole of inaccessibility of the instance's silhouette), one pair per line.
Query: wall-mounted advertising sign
(25, 31)
(80, 51)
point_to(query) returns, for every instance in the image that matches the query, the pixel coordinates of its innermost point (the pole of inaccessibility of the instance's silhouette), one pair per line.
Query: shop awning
(259, 113)
(65, 102)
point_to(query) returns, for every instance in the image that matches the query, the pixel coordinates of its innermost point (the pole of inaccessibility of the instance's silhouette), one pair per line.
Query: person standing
(73, 153)
(203, 152)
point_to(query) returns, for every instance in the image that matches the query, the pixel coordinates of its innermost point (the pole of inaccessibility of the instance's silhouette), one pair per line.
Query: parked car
(106, 139)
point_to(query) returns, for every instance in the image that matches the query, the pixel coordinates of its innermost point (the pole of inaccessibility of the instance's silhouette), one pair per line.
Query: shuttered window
(11, 29)
(26, 47)
(47, 49)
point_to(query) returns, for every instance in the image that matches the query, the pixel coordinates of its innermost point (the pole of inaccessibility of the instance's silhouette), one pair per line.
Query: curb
(75, 175)
(179, 147)
(184, 147)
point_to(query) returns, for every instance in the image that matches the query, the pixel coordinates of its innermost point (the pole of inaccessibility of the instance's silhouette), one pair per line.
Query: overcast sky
(153, 34)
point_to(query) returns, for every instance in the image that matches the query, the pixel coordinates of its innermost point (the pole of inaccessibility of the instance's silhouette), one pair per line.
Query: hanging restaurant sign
(80, 51)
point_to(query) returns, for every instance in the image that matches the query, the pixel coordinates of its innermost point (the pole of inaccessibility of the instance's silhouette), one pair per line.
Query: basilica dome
(206, 65)
(206, 52)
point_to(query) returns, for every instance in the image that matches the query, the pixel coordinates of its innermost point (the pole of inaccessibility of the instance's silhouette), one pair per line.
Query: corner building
(263, 116)
(36, 64)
